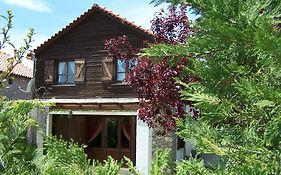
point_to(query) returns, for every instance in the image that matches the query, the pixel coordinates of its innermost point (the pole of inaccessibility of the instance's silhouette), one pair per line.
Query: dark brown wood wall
(87, 41)
(70, 128)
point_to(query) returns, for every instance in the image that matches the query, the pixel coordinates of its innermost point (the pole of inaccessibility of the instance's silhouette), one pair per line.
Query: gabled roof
(82, 17)
(20, 69)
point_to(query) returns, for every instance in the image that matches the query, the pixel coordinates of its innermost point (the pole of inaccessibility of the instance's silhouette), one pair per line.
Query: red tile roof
(78, 20)
(19, 69)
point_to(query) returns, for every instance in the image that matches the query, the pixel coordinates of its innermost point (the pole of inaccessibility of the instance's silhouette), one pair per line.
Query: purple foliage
(120, 47)
(172, 27)
(154, 83)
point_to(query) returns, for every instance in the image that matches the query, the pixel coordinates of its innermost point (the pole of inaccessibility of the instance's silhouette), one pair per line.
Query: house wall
(87, 41)
(12, 92)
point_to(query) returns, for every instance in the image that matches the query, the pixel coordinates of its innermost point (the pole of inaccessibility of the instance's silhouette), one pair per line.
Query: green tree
(19, 53)
(15, 154)
(236, 55)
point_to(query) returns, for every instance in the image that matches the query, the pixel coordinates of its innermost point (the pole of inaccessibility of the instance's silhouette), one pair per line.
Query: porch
(106, 126)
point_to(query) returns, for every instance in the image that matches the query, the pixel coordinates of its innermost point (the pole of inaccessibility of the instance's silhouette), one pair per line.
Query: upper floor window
(66, 72)
(123, 68)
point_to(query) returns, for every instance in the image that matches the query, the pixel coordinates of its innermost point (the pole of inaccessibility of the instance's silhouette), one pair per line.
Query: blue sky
(49, 16)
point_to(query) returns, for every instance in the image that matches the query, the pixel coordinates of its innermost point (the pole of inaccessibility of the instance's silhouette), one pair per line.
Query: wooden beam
(95, 113)
(92, 106)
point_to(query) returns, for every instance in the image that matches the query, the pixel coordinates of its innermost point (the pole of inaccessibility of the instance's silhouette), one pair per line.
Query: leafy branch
(18, 53)
(5, 30)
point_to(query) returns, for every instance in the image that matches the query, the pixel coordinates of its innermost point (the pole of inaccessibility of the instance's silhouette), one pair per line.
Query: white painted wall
(143, 147)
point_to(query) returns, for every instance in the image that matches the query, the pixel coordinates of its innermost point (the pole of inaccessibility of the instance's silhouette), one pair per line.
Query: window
(113, 132)
(66, 72)
(10, 81)
(123, 68)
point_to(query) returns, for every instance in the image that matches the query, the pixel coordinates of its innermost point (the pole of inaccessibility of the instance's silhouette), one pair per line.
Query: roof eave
(79, 19)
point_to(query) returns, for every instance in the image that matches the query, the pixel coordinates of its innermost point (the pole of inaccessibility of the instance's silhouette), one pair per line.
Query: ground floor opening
(103, 136)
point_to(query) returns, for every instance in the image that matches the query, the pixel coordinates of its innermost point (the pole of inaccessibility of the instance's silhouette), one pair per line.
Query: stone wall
(163, 141)
(12, 92)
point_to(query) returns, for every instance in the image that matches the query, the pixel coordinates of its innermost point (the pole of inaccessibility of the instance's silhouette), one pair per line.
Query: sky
(47, 17)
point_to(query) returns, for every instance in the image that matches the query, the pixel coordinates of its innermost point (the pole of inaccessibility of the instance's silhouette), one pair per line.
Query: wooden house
(93, 105)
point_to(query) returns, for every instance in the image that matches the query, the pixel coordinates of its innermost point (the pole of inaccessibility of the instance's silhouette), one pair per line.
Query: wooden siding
(86, 41)
(70, 128)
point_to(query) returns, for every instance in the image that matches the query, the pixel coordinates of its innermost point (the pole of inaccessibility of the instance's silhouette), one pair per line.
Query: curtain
(125, 125)
(96, 126)
(62, 71)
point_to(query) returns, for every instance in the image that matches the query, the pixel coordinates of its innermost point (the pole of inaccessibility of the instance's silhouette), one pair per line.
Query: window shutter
(49, 72)
(79, 71)
(107, 69)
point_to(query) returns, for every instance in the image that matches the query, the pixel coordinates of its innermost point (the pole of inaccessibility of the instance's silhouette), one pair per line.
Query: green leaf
(264, 103)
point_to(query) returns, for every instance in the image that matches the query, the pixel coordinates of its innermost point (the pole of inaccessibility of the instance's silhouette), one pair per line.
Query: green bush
(16, 154)
(61, 157)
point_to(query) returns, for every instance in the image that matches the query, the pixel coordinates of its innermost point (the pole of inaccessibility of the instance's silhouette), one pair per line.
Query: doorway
(104, 136)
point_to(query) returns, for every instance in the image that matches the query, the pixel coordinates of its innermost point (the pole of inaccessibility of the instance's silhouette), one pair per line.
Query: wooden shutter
(107, 69)
(49, 72)
(79, 71)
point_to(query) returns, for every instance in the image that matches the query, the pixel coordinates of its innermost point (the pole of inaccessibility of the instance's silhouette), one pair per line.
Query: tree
(154, 81)
(120, 47)
(18, 53)
(235, 54)
(171, 27)
(15, 153)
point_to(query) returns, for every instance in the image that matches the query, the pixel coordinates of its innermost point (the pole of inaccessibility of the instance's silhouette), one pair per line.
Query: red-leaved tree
(154, 83)
(120, 47)
(171, 27)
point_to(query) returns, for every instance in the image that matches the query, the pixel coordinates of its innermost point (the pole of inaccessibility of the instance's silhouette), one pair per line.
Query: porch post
(34, 135)
(143, 147)
(49, 126)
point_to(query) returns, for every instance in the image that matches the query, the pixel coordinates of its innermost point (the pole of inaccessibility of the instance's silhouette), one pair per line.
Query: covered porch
(106, 126)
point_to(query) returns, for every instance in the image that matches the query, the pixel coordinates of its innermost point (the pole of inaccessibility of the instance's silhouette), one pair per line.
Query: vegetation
(234, 59)
(18, 53)
(16, 154)
(154, 81)
(68, 158)
(235, 55)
